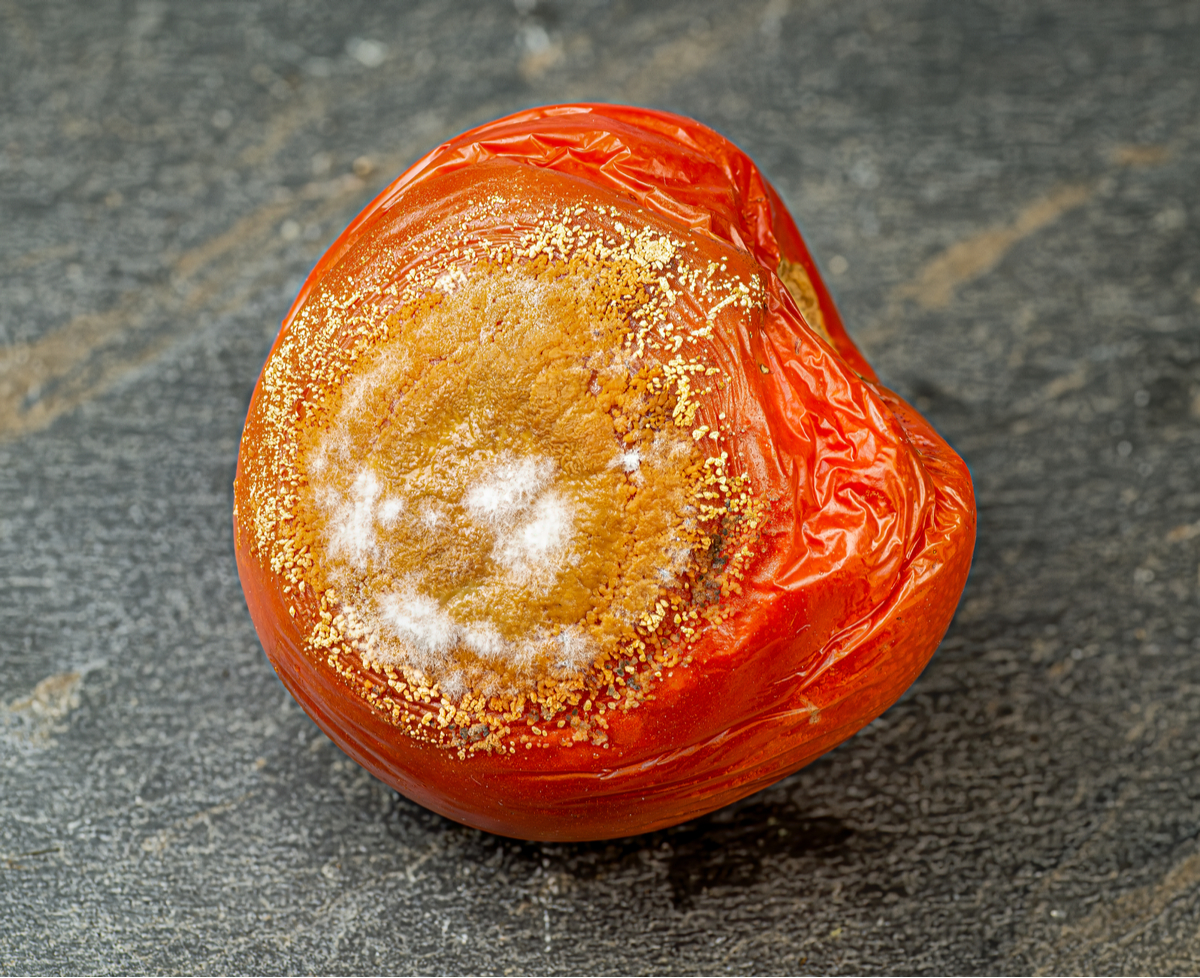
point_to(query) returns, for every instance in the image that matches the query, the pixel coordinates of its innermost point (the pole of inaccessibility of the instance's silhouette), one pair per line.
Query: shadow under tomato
(736, 847)
(713, 852)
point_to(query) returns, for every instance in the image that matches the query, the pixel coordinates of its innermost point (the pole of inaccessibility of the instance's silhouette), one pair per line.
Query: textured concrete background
(1004, 193)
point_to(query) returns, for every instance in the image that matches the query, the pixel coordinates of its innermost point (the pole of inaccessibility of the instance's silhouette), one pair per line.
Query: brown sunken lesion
(800, 287)
(574, 363)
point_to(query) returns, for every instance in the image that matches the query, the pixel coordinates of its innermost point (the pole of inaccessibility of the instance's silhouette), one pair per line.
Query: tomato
(566, 505)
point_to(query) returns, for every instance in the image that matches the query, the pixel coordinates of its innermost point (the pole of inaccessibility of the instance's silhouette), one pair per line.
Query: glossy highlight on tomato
(566, 505)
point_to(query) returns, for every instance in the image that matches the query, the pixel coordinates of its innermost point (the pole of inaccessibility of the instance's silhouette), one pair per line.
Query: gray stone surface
(1005, 195)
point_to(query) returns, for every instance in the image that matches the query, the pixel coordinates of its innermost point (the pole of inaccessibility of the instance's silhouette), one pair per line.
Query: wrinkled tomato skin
(805, 659)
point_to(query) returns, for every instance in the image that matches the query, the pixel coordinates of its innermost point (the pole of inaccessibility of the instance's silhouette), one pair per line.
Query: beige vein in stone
(935, 284)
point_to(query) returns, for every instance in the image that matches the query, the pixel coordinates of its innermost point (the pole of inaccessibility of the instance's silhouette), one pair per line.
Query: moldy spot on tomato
(507, 486)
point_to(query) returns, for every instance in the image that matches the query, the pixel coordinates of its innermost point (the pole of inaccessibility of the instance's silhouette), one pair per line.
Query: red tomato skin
(806, 658)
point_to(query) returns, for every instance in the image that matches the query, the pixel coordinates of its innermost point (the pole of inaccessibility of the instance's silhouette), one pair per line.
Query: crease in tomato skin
(746, 212)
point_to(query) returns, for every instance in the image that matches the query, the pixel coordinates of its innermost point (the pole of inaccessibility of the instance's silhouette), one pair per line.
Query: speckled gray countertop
(1005, 195)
